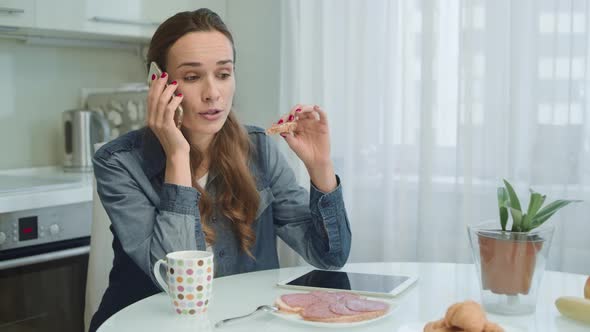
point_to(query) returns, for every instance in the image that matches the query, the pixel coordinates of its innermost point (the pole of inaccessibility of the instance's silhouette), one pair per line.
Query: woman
(213, 184)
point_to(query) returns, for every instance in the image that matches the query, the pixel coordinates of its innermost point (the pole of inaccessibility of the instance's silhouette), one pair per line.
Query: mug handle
(158, 275)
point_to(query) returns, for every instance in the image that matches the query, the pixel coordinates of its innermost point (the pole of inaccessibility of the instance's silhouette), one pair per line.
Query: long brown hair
(230, 150)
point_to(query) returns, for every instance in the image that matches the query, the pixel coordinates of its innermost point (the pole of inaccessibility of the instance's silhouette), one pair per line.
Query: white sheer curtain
(432, 103)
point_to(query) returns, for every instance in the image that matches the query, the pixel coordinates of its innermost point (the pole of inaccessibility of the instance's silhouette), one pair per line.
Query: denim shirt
(151, 218)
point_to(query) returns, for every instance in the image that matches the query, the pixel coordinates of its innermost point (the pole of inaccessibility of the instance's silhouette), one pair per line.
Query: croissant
(465, 316)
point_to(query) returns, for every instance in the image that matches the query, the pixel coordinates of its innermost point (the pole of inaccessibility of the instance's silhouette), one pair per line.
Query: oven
(43, 262)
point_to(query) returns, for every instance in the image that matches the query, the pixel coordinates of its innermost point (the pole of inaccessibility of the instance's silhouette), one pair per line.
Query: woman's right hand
(161, 104)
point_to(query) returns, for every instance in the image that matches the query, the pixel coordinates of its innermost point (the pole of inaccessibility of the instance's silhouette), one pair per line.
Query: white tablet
(360, 283)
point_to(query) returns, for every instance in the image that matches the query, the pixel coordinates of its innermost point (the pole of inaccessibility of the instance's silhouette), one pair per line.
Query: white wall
(37, 83)
(255, 25)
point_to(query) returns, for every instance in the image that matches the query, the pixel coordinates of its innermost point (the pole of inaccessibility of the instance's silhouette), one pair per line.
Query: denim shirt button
(221, 253)
(214, 219)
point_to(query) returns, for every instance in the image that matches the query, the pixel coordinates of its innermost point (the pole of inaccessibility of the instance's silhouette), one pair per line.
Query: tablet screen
(349, 281)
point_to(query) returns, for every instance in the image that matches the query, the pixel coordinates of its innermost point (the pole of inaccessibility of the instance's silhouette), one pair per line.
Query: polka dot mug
(189, 280)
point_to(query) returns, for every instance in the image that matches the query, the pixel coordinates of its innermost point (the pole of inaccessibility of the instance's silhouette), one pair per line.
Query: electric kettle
(82, 129)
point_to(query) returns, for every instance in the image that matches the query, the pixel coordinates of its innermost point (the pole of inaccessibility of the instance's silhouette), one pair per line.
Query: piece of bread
(492, 327)
(464, 316)
(438, 326)
(285, 127)
(468, 316)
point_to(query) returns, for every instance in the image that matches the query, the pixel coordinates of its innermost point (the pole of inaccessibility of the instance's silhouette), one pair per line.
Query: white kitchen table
(439, 285)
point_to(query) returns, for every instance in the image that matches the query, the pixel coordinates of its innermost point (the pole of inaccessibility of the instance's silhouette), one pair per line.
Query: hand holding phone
(159, 118)
(155, 70)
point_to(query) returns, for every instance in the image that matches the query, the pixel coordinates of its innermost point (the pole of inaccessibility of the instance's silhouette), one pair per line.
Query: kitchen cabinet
(15, 14)
(139, 17)
(131, 20)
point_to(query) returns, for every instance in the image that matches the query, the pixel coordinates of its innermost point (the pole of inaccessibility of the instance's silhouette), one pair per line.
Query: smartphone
(155, 69)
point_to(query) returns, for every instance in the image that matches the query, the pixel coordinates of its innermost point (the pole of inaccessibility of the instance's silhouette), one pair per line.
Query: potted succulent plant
(508, 258)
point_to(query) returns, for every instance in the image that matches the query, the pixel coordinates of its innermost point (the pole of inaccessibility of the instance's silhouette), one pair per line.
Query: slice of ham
(341, 309)
(333, 297)
(346, 296)
(326, 296)
(299, 300)
(319, 310)
(331, 307)
(365, 305)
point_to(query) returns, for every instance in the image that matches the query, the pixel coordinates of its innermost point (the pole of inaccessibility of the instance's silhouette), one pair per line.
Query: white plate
(297, 319)
(419, 327)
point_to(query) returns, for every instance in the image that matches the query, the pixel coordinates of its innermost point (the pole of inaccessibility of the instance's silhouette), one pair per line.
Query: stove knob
(54, 229)
(2, 237)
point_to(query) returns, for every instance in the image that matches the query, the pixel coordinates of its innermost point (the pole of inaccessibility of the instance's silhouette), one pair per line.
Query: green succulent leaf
(548, 211)
(503, 203)
(536, 202)
(516, 220)
(514, 202)
(534, 205)
(534, 216)
(525, 225)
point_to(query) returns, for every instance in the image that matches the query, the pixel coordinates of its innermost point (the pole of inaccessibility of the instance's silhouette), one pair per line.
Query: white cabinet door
(159, 11)
(62, 15)
(134, 20)
(140, 18)
(118, 18)
(16, 14)
(101, 19)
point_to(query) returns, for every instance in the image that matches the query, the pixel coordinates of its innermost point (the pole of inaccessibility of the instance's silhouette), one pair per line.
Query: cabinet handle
(11, 11)
(5, 28)
(101, 19)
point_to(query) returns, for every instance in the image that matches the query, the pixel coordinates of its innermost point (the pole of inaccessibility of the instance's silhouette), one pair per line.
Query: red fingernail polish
(280, 121)
(291, 117)
(164, 75)
(179, 95)
(173, 83)
(298, 110)
(153, 77)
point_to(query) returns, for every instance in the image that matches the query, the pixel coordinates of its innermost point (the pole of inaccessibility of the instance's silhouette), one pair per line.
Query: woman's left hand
(311, 142)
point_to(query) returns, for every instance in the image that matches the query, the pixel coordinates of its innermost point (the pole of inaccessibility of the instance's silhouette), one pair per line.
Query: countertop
(31, 188)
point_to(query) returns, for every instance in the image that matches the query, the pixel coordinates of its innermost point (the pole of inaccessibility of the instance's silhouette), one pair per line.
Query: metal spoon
(265, 308)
